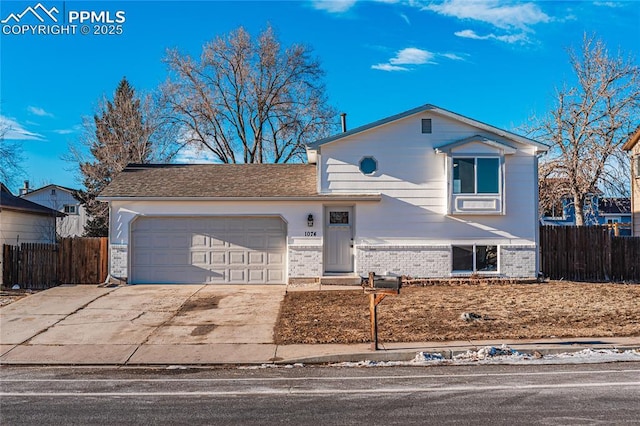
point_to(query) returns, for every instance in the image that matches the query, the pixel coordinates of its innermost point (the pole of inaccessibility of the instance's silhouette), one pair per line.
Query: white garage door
(215, 250)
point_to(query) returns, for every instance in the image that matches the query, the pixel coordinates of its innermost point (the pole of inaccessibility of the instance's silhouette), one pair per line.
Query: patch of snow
(264, 366)
(506, 355)
(15, 287)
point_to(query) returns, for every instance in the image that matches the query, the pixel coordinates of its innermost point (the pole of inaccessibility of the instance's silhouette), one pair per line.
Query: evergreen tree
(121, 136)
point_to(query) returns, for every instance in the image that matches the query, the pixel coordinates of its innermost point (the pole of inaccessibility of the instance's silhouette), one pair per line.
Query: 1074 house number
(310, 233)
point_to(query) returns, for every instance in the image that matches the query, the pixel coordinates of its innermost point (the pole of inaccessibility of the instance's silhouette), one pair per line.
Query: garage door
(215, 250)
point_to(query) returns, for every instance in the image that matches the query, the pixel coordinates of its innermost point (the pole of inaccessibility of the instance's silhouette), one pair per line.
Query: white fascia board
(321, 197)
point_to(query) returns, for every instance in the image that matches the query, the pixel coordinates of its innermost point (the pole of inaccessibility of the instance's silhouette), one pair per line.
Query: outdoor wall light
(310, 220)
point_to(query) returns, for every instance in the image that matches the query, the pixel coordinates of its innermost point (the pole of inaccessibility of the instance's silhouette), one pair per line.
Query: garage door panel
(237, 258)
(275, 276)
(238, 275)
(218, 258)
(257, 258)
(275, 259)
(208, 250)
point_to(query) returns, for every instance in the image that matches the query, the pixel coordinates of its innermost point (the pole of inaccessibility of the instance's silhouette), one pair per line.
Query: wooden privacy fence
(40, 266)
(588, 253)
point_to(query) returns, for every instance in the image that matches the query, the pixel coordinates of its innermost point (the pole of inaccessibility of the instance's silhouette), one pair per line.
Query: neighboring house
(599, 211)
(426, 193)
(22, 221)
(59, 198)
(633, 148)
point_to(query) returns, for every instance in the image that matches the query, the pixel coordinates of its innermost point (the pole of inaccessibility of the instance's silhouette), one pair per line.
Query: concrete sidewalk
(197, 325)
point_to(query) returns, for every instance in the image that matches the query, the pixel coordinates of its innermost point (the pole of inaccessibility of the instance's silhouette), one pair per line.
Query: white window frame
(458, 272)
(476, 203)
(67, 206)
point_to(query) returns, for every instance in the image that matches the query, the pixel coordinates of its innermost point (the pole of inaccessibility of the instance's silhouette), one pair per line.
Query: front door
(338, 244)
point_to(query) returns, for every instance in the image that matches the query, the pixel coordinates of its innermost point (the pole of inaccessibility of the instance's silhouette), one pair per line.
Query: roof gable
(48, 187)
(8, 201)
(437, 110)
(448, 147)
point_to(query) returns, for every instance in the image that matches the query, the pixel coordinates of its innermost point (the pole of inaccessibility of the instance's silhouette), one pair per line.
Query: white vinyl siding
(414, 182)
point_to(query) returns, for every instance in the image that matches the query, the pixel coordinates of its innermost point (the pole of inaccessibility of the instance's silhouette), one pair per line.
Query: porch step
(340, 280)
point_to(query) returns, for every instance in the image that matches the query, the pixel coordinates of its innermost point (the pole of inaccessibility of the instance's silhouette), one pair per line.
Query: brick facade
(518, 261)
(305, 261)
(415, 261)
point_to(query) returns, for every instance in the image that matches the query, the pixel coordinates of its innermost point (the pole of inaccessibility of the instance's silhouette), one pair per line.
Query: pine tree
(121, 136)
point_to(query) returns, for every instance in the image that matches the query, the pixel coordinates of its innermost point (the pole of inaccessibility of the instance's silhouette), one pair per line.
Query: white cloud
(388, 67)
(494, 12)
(507, 38)
(453, 56)
(411, 56)
(607, 4)
(15, 131)
(39, 111)
(333, 6)
(194, 154)
(405, 18)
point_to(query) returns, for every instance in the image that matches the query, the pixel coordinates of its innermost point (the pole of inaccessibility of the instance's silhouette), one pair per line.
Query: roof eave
(319, 197)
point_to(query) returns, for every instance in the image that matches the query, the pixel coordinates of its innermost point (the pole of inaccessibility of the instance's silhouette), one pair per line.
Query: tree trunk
(578, 207)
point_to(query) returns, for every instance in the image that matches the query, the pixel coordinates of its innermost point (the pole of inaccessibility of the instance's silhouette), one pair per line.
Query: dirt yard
(507, 311)
(9, 296)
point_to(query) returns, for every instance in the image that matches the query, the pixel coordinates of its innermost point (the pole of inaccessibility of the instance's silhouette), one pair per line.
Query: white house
(22, 221)
(427, 193)
(59, 198)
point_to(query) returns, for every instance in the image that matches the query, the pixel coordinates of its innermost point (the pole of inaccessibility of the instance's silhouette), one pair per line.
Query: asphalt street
(500, 394)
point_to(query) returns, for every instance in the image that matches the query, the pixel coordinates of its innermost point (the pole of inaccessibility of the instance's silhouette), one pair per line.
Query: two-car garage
(208, 249)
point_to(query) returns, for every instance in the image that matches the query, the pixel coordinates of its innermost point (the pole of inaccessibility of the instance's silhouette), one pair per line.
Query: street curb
(447, 354)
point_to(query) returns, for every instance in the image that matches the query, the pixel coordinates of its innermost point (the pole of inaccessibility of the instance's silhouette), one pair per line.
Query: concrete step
(340, 280)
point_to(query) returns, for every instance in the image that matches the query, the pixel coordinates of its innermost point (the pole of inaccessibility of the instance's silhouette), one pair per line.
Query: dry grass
(509, 311)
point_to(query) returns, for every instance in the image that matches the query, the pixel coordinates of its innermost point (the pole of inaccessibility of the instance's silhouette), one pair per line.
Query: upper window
(476, 175)
(368, 165)
(70, 209)
(426, 125)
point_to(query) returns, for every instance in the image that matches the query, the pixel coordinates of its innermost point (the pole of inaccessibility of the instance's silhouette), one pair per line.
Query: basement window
(475, 258)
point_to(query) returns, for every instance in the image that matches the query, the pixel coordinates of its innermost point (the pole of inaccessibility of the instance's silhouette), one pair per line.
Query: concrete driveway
(141, 324)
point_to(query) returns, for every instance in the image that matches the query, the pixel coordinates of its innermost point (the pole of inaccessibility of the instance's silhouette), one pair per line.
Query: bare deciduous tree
(11, 158)
(587, 126)
(249, 101)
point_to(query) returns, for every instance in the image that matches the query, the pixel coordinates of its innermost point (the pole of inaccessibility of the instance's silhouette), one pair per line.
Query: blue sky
(494, 61)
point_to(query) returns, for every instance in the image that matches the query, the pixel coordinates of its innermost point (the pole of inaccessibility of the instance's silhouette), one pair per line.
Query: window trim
(475, 173)
(461, 272)
(476, 203)
(75, 209)
(368, 157)
(428, 129)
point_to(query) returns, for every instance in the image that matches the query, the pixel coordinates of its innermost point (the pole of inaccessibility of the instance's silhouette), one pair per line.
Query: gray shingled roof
(9, 201)
(214, 180)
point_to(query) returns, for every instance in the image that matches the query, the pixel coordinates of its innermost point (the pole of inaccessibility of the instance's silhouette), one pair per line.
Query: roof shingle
(214, 180)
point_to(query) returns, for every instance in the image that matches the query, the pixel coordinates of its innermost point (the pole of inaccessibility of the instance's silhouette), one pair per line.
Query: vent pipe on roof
(343, 121)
